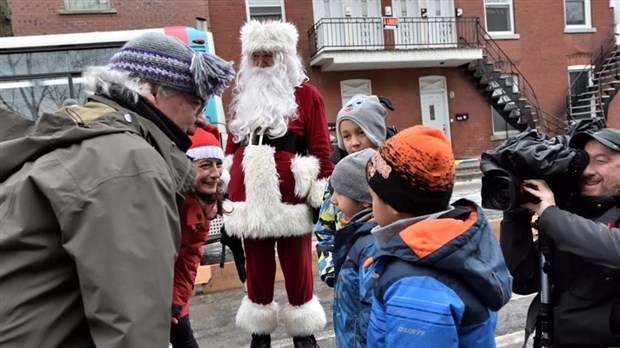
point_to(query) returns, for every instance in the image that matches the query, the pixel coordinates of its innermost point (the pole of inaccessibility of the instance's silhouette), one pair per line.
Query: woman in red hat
(202, 204)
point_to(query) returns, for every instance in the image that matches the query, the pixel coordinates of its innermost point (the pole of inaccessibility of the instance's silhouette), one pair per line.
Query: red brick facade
(37, 17)
(542, 53)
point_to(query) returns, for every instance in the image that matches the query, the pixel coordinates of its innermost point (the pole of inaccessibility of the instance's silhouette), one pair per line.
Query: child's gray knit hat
(349, 176)
(368, 113)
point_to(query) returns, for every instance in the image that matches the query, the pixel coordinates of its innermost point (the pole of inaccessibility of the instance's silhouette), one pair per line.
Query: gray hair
(103, 80)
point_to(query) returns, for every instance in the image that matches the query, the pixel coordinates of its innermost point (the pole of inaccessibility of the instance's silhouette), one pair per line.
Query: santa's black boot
(305, 342)
(261, 341)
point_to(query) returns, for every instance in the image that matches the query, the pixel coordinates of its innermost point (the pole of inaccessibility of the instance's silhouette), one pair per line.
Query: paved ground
(213, 317)
(213, 314)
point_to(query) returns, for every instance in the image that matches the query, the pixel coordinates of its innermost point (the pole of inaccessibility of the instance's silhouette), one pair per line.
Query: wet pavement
(213, 314)
(213, 319)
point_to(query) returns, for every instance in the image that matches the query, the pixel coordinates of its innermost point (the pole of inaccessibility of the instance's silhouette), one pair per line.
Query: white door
(434, 103)
(436, 29)
(348, 24)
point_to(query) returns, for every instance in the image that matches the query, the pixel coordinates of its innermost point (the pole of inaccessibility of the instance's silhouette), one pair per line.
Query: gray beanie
(349, 176)
(166, 61)
(368, 113)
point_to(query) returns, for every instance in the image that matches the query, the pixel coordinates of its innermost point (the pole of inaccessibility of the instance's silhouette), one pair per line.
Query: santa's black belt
(290, 142)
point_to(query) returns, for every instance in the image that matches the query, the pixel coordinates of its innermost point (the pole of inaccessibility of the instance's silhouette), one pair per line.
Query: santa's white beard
(264, 100)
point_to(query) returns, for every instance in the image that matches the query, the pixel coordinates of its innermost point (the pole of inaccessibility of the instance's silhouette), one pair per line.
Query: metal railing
(575, 102)
(367, 33)
(494, 54)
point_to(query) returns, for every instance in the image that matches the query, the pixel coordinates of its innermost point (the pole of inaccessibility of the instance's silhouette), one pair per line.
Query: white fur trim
(202, 152)
(227, 162)
(305, 170)
(270, 36)
(317, 191)
(306, 319)
(225, 178)
(256, 318)
(263, 214)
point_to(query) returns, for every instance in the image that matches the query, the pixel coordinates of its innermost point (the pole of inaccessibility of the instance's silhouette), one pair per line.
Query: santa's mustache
(264, 99)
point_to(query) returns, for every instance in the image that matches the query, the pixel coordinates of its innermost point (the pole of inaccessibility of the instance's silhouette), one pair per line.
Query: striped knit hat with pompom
(166, 61)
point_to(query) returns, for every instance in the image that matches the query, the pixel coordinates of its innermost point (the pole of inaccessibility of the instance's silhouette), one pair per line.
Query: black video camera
(531, 155)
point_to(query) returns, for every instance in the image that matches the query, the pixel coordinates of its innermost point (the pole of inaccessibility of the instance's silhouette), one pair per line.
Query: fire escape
(603, 83)
(507, 89)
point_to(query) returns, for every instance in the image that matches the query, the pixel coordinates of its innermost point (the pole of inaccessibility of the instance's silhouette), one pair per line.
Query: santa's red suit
(273, 189)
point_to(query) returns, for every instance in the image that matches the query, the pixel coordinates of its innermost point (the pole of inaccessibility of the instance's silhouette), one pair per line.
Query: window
(579, 80)
(349, 88)
(266, 9)
(577, 14)
(501, 128)
(499, 16)
(87, 5)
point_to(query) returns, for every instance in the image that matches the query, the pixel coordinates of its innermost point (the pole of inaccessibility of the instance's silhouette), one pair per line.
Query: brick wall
(37, 17)
(543, 52)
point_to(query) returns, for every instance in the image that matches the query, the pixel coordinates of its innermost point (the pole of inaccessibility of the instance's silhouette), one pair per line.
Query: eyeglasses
(201, 109)
(262, 56)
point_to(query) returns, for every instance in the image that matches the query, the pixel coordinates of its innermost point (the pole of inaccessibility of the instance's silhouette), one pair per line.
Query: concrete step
(467, 168)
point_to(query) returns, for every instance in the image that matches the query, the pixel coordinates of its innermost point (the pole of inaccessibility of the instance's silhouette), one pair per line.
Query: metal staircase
(507, 89)
(603, 85)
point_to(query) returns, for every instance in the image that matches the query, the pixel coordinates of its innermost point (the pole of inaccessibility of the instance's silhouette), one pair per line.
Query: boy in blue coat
(353, 245)
(360, 125)
(441, 273)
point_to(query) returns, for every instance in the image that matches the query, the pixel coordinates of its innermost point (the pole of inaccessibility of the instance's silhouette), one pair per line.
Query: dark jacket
(441, 281)
(354, 247)
(89, 228)
(584, 253)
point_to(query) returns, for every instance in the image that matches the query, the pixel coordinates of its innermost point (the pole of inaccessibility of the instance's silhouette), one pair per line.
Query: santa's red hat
(205, 145)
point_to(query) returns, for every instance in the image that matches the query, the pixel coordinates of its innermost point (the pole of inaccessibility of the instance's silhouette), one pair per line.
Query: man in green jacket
(90, 199)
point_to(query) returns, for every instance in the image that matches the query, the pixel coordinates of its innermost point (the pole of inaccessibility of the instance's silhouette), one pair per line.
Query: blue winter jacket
(441, 281)
(354, 244)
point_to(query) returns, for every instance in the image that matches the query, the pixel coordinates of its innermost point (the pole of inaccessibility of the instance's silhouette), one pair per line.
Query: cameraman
(584, 248)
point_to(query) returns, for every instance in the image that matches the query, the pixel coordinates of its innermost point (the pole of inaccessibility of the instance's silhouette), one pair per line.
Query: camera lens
(498, 192)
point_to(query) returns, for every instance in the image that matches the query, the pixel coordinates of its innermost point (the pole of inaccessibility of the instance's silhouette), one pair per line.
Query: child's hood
(459, 242)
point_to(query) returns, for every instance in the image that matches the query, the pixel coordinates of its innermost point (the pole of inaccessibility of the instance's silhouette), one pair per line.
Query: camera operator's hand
(539, 189)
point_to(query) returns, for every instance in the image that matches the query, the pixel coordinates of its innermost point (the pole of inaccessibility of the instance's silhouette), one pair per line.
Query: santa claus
(280, 146)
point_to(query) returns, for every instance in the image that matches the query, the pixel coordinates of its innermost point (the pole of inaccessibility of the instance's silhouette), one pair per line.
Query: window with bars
(577, 14)
(350, 88)
(87, 5)
(499, 16)
(266, 9)
(501, 128)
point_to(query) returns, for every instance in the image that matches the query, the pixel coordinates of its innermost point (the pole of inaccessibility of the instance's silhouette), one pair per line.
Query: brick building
(478, 69)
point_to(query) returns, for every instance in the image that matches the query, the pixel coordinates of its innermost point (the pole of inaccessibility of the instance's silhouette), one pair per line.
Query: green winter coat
(89, 228)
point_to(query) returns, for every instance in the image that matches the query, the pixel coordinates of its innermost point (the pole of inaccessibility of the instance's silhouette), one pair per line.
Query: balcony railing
(342, 34)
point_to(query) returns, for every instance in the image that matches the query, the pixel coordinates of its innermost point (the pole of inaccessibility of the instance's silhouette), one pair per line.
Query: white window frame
(581, 68)
(580, 28)
(508, 131)
(105, 5)
(249, 4)
(499, 3)
(503, 133)
(355, 86)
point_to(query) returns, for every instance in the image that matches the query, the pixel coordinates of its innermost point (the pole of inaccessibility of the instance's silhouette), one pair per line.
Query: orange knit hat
(414, 171)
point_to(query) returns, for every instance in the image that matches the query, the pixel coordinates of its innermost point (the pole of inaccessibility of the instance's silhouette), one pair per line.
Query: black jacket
(585, 261)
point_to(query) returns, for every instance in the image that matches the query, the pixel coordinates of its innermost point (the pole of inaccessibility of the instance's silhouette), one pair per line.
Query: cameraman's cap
(610, 137)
